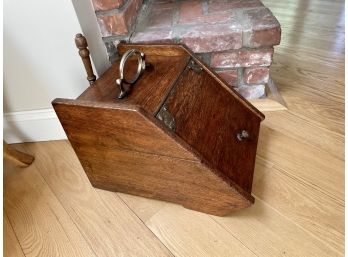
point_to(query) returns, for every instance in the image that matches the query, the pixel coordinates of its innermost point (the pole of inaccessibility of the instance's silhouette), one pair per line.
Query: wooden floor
(52, 210)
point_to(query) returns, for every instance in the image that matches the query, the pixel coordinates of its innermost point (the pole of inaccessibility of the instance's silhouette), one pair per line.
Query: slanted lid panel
(151, 88)
(211, 120)
(234, 93)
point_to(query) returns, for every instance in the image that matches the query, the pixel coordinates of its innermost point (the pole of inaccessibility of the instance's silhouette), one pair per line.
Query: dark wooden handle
(81, 44)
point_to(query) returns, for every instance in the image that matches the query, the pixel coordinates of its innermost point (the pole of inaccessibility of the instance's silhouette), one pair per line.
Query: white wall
(88, 21)
(40, 58)
(41, 63)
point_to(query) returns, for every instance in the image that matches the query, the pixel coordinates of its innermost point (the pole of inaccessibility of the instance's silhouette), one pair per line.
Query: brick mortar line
(225, 69)
(252, 85)
(175, 20)
(243, 48)
(115, 38)
(240, 75)
(205, 57)
(140, 18)
(113, 11)
(180, 27)
(205, 7)
(235, 68)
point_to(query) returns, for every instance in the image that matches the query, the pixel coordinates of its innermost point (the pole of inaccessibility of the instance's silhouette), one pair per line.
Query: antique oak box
(180, 134)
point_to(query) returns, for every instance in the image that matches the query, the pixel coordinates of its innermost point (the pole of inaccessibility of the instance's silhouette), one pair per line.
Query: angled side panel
(122, 150)
(160, 177)
(114, 126)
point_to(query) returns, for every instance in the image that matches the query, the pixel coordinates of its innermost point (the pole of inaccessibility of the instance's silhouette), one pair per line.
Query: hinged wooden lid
(167, 63)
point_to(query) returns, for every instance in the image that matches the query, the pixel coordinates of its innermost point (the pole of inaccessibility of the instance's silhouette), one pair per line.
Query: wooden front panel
(209, 117)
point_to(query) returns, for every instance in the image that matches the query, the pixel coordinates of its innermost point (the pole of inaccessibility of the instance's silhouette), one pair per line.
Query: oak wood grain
(106, 223)
(181, 234)
(41, 224)
(302, 160)
(267, 232)
(209, 119)
(176, 180)
(166, 50)
(116, 126)
(150, 89)
(12, 247)
(323, 216)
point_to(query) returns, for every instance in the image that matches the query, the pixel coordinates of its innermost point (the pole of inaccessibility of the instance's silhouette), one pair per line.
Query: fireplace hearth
(235, 37)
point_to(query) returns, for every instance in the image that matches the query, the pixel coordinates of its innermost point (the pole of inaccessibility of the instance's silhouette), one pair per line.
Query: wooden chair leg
(22, 159)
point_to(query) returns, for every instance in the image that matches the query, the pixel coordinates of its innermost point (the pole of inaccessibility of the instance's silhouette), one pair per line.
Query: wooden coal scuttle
(179, 133)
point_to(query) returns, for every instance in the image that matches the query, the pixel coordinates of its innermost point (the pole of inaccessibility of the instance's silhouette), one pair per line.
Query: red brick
(269, 37)
(162, 5)
(218, 17)
(104, 5)
(265, 28)
(223, 5)
(211, 38)
(119, 23)
(159, 36)
(258, 75)
(252, 92)
(230, 76)
(161, 18)
(164, 1)
(189, 10)
(112, 25)
(245, 57)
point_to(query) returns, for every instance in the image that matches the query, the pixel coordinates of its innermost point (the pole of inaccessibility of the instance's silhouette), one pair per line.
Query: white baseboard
(32, 126)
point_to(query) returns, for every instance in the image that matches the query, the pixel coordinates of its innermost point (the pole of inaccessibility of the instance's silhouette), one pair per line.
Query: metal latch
(195, 67)
(167, 118)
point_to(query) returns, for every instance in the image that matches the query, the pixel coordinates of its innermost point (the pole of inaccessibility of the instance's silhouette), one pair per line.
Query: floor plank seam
(229, 232)
(298, 226)
(304, 182)
(162, 243)
(64, 208)
(317, 124)
(14, 232)
(58, 220)
(302, 118)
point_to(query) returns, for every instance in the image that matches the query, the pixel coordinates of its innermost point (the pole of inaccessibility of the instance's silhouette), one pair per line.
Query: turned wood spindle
(81, 44)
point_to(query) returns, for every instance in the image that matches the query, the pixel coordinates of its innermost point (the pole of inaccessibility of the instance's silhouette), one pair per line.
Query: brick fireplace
(235, 37)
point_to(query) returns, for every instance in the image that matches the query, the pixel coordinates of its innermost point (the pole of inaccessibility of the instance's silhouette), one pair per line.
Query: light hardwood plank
(41, 224)
(188, 233)
(301, 129)
(303, 161)
(108, 225)
(312, 210)
(12, 247)
(143, 207)
(268, 233)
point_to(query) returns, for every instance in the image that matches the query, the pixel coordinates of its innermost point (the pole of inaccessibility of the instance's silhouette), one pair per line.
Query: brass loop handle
(140, 70)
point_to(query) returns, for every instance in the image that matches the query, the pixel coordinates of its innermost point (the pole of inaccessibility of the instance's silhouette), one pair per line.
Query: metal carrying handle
(140, 70)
